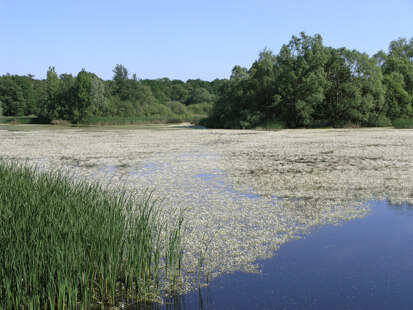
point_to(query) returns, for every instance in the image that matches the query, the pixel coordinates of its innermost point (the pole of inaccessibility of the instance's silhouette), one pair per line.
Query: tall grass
(73, 244)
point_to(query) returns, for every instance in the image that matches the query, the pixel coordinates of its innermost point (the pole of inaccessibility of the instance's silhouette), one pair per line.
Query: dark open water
(363, 264)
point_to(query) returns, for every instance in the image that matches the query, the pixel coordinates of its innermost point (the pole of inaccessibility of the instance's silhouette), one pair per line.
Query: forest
(305, 85)
(86, 97)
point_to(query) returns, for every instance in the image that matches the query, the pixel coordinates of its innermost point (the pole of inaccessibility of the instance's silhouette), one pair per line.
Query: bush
(14, 120)
(177, 108)
(403, 123)
(273, 125)
(375, 120)
(157, 109)
(200, 108)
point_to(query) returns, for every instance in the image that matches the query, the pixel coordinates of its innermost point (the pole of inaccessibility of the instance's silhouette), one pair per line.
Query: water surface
(363, 264)
(227, 184)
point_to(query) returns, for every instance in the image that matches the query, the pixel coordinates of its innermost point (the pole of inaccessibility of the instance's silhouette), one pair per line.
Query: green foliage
(177, 108)
(84, 97)
(17, 95)
(203, 108)
(404, 123)
(120, 74)
(397, 67)
(310, 85)
(69, 244)
(18, 120)
(301, 80)
(89, 100)
(305, 85)
(200, 95)
(118, 120)
(399, 101)
(273, 125)
(179, 92)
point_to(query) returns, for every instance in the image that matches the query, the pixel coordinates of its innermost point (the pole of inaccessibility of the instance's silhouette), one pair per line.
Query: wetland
(245, 195)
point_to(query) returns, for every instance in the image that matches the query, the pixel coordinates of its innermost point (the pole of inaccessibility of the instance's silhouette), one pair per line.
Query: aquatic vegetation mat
(244, 193)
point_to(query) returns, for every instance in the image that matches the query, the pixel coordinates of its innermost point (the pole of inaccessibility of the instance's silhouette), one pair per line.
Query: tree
(397, 68)
(52, 84)
(398, 100)
(300, 79)
(51, 106)
(120, 74)
(227, 110)
(339, 95)
(402, 48)
(200, 95)
(89, 97)
(261, 90)
(11, 96)
(354, 91)
(179, 92)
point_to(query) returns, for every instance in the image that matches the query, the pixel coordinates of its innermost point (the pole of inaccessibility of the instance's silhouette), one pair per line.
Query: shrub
(274, 125)
(177, 108)
(405, 123)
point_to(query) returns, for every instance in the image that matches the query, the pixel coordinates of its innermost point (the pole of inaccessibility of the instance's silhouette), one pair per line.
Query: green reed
(73, 244)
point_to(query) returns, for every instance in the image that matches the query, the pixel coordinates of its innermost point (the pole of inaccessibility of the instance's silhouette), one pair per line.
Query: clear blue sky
(183, 39)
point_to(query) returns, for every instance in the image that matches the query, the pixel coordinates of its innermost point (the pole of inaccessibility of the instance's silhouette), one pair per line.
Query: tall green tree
(120, 74)
(397, 67)
(51, 107)
(89, 99)
(300, 79)
(354, 92)
(11, 96)
(232, 101)
(260, 90)
(179, 92)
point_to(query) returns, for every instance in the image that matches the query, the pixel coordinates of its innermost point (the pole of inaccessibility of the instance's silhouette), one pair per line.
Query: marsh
(245, 193)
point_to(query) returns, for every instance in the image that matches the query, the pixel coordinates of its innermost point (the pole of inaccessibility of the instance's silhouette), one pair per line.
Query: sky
(183, 39)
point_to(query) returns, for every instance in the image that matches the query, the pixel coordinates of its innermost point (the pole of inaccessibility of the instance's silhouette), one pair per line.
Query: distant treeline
(305, 85)
(310, 85)
(86, 96)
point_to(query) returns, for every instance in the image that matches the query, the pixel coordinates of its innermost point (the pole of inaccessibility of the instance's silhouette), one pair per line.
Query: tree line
(309, 85)
(305, 85)
(85, 96)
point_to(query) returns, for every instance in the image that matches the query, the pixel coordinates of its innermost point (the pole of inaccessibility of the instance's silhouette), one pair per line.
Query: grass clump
(73, 244)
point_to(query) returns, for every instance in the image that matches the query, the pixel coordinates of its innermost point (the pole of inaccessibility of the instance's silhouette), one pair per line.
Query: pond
(362, 264)
(247, 195)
